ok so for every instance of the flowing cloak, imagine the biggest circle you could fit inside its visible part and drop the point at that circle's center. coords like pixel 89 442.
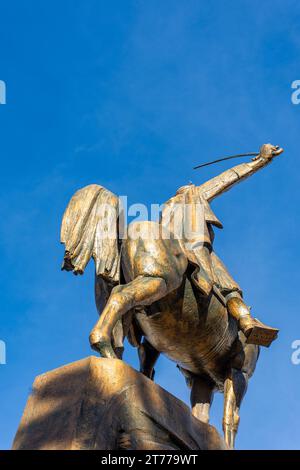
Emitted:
pixel 187 216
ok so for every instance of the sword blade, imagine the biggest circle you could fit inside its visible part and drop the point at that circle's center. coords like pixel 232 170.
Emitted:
pixel 251 154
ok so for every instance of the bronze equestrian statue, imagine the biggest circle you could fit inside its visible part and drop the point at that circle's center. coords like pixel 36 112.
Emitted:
pixel 170 293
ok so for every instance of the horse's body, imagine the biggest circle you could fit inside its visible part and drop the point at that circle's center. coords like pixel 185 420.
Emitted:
pixel 194 332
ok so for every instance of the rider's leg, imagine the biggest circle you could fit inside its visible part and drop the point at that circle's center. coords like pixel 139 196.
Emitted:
pixel 148 356
pixel 202 392
pixel 144 290
pixel 234 390
pixel 255 331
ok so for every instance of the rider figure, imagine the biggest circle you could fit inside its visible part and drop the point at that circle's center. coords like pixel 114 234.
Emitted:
pixel 210 274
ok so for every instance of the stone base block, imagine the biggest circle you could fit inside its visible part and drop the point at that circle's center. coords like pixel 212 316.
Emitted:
pixel 105 404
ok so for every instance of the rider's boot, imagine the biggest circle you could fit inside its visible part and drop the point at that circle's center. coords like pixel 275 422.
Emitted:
pixel 255 331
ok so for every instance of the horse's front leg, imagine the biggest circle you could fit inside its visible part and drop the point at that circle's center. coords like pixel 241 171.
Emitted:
pixel 234 391
pixel 144 290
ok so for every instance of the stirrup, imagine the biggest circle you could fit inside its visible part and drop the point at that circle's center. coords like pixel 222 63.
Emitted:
pixel 260 334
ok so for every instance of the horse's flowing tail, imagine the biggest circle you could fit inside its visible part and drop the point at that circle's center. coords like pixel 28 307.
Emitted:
pixel 90 230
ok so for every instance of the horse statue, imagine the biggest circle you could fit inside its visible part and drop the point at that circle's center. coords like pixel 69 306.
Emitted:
pixel 148 289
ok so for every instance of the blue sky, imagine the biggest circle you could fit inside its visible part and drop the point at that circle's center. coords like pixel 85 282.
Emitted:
pixel 131 95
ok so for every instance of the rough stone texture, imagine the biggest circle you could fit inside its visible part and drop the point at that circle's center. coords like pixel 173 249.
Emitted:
pixel 105 404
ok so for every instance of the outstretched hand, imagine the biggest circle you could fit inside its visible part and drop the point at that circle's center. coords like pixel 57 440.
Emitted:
pixel 268 152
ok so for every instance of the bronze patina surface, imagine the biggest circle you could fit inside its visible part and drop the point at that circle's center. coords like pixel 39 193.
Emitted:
pixel 169 294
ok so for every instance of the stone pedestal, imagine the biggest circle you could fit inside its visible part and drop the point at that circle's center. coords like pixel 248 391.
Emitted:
pixel 105 404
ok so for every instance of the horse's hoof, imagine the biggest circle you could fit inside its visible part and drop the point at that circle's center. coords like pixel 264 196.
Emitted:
pixel 229 436
pixel 105 350
pixel 148 373
pixel 102 345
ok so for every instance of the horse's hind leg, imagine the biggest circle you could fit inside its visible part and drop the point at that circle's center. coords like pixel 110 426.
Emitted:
pixel 144 290
pixel 202 393
pixel 234 390
pixel 148 356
